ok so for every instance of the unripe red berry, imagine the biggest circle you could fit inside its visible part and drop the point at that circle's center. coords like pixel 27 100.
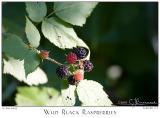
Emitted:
pixel 79 75
pixel 71 58
pixel 44 54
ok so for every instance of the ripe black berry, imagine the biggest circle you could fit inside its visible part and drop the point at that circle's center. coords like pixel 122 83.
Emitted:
pixel 81 52
pixel 88 66
pixel 62 71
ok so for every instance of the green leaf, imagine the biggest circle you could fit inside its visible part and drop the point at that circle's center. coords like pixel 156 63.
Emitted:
pixel 9 25
pixel 91 93
pixel 31 61
pixel 12 21
pixel 32 33
pixel 15 68
pixel 74 12
pixel 34 96
pixel 61 34
pixel 13 46
pixel 36 10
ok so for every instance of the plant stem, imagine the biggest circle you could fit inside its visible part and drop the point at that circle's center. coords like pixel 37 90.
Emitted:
pixel 54 61
pixel 50 14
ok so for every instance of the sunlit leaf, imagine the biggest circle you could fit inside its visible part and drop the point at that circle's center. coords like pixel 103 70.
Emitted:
pixel 68 96
pixel 38 76
pixel 74 12
pixel 56 100
pixel 91 93
pixel 34 96
pixel 32 33
pixel 36 10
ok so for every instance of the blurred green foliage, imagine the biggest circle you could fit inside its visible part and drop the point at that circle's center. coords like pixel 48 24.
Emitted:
pixel 122 34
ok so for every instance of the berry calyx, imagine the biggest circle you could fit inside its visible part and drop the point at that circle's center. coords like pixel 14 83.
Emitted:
pixel 44 54
pixel 81 52
pixel 71 58
pixel 62 71
pixel 88 66
pixel 79 75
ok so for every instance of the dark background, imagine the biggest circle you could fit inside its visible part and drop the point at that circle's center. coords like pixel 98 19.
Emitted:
pixel 120 35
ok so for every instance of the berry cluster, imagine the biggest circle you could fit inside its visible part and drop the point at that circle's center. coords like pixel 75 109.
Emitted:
pixel 77 65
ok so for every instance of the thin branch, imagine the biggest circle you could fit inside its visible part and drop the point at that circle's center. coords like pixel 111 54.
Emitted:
pixel 50 14
pixel 54 61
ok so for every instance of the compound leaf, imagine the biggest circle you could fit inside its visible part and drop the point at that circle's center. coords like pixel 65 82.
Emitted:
pixel 61 34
